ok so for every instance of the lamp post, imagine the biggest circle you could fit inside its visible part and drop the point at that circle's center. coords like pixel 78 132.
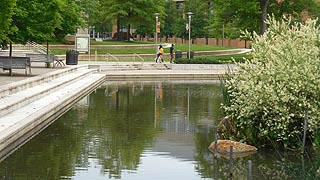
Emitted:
pixel 189 27
pixel 156 36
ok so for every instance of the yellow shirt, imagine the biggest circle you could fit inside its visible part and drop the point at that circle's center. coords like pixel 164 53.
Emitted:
pixel 161 50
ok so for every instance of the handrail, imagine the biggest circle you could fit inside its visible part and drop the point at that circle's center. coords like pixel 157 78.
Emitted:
pixel 142 60
pixel 37 47
pixel 113 58
pixel 108 54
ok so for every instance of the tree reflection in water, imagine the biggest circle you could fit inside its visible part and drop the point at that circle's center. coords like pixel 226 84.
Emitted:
pixel 147 130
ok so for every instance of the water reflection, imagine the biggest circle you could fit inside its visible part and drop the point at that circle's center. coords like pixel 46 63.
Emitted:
pixel 143 130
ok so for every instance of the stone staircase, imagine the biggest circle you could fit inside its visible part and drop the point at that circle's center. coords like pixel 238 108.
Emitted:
pixel 129 66
pixel 30 105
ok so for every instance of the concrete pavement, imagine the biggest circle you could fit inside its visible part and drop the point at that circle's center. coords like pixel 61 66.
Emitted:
pixel 173 70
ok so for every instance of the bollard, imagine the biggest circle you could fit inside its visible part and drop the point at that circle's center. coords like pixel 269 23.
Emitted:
pixel 231 160
pixel 249 170
pixel 95 55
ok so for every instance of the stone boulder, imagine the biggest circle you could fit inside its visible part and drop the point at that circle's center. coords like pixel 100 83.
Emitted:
pixel 239 149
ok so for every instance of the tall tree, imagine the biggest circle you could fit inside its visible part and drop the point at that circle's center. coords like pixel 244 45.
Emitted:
pixel 71 18
pixel 252 14
pixel 35 20
pixel 264 14
pixel 201 12
pixel 132 12
pixel 7 7
pixel 94 15
pixel 200 17
pixel 170 19
pixel 40 20
pixel 231 16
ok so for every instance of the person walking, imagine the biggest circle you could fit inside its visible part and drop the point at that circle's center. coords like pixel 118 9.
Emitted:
pixel 161 53
pixel 158 55
pixel 171 53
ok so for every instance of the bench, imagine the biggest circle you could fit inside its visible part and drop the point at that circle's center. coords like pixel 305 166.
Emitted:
pixel 9 63
pixel 47 58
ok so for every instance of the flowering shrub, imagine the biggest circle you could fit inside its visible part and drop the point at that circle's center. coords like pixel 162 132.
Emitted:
pixel 273 92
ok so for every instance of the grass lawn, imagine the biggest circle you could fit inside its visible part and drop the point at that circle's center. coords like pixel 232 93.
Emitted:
pixel 111 42
pixel 221 59
pixel 181 47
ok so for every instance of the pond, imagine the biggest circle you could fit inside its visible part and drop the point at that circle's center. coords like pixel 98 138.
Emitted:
pixel 143 131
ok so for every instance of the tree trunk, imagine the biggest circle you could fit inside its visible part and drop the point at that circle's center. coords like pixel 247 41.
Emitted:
pixel 10 50
pixel 128 32
pixel 264 9
pixel 118 28
pixel 47 47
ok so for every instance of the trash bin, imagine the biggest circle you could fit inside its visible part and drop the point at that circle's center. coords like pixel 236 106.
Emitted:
pixel 191 54
pixel 178 54
pixel 72 57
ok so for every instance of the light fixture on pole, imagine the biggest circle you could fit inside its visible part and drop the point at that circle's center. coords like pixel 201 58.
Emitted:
pixel 189 28
pixel 157 30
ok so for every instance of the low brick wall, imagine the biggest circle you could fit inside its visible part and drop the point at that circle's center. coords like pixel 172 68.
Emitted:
pixel 236 43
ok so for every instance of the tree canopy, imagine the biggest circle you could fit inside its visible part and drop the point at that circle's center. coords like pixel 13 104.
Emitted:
pixel 38 20
pixel 6 18
pixel 238 15
pixel 125 13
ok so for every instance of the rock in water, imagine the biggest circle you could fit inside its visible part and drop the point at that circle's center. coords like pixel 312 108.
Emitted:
pixel 239 149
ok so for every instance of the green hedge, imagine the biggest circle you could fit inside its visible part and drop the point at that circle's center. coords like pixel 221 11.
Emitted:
pixel 213 59
pixel 278 89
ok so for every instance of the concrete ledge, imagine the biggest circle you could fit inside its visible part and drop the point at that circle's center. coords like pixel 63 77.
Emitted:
pixel 221 67
pixel 19 99
pixel 14 87
pixel 165 75
pixel 20 126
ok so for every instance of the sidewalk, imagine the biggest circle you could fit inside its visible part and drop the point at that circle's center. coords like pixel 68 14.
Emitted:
pixel 176 71
pixel 19 74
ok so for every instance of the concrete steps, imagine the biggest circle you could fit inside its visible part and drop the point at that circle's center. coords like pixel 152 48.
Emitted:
pixel 30 82
pixel 155 66
pixel 28 107
pixel 119 67
pixel 133 66
pixel 23 97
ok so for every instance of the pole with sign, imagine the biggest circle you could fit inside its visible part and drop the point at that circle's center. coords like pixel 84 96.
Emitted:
pixel 156 35
pixel 158 27
pixel 188 27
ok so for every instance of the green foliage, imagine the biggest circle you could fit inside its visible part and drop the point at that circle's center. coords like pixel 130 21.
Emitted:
pixel 35 20
pixel 212 59
pixel 139 13
pixel 232 16
pixel 237 15
pixel 95 15
pixel 199 20
pixel 296 8
pixel 71 19
pixel 272 92
pixel 6 18
pixel 170 19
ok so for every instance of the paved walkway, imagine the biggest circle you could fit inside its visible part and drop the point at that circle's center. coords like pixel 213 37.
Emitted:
pixel 19 74
pixel 38 69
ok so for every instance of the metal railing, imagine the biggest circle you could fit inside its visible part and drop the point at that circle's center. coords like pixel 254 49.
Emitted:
pixel 36 47
pixel 110 55
pixel 137 55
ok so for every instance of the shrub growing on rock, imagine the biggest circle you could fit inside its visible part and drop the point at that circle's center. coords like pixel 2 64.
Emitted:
pixel 273 92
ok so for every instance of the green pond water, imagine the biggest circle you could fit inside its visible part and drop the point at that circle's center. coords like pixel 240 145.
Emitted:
pixel 145 131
